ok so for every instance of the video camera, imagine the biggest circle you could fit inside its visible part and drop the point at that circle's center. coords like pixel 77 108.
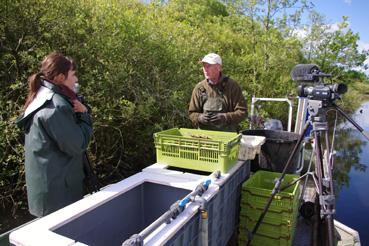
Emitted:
pixel 310 73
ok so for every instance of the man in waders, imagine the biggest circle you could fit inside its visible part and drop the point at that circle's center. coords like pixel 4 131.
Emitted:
pixel 217 102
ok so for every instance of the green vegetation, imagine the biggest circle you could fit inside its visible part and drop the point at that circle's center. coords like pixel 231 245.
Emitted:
pixel 138 64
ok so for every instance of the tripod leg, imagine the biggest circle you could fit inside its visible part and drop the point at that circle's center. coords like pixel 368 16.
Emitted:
pixel 330 192
pixel 330 228
pixel 325 187
pixel 359 128
pixel 318 163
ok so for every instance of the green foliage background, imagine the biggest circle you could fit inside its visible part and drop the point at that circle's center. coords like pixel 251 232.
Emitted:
pixel 138 64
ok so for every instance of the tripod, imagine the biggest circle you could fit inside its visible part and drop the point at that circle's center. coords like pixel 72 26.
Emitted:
pixel 323 165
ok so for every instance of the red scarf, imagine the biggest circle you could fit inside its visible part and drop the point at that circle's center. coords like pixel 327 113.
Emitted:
pixel 64 90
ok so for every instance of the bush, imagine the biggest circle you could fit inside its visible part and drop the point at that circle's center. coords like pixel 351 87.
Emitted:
pixel 138 64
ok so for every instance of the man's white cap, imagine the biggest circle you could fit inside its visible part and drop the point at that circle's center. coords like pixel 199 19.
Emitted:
pixel 212 58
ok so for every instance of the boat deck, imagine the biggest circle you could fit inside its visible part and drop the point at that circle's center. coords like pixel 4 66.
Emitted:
pixel 304 234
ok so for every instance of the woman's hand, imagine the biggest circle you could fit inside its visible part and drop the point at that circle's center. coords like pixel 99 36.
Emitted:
pixel 79 107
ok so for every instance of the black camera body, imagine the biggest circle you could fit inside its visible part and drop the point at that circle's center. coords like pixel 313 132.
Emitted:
pixel 322 92
pixel 310 73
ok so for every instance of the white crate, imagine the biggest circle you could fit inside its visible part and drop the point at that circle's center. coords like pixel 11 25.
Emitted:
pixel 250 146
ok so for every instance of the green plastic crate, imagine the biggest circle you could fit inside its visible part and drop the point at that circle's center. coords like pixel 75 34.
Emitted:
pixel 279 223
pixel 268 234
pixel 276 218
pixel 274 225
pixel 284 228
pixel 197 149
pixel 258 188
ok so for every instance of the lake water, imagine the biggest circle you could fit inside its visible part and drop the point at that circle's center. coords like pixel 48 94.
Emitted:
pixel 353 177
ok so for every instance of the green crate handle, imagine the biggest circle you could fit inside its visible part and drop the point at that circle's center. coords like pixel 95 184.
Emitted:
pixel 203 148
pixel 288 223
pixel 283 196
pixel 281 237
pixel 234 141
pixel 274 211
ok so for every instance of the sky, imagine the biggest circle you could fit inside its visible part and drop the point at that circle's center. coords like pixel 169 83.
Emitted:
pixel 358 16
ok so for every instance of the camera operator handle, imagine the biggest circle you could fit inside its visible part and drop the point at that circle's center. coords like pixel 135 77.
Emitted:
pixel 359 128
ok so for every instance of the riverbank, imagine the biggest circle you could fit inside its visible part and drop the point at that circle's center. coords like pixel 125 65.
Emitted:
pixel 357 94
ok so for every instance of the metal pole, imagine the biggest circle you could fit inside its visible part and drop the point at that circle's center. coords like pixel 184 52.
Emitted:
pixel 289 115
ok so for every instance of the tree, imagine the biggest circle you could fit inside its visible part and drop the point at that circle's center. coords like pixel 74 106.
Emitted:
pixel 333 47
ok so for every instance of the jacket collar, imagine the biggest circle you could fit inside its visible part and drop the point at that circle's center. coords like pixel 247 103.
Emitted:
pixel 222 80
pixel 49 85
pixel 43 95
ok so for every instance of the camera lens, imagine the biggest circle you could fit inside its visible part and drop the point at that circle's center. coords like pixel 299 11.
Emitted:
pixel 339 88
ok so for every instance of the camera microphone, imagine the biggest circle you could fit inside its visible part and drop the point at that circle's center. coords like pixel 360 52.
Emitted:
pixel 307 73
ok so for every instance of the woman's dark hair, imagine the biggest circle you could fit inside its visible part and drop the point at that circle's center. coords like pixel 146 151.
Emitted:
pixel 52 65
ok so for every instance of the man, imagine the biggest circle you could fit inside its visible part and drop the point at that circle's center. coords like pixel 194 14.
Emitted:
pixel 217 102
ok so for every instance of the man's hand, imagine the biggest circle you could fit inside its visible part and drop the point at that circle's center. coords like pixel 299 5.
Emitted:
pixel 204 119
pixel 218 119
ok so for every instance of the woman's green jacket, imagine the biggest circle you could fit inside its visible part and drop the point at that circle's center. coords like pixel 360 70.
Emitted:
pixel 55 140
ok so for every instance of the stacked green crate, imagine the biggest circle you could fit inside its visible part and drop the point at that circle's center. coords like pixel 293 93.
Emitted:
pixel 279 223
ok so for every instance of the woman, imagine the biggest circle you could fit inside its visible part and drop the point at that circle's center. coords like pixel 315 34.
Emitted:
pixel 57 132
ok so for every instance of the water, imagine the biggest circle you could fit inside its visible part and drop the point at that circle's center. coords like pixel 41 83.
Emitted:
pixel 352 175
